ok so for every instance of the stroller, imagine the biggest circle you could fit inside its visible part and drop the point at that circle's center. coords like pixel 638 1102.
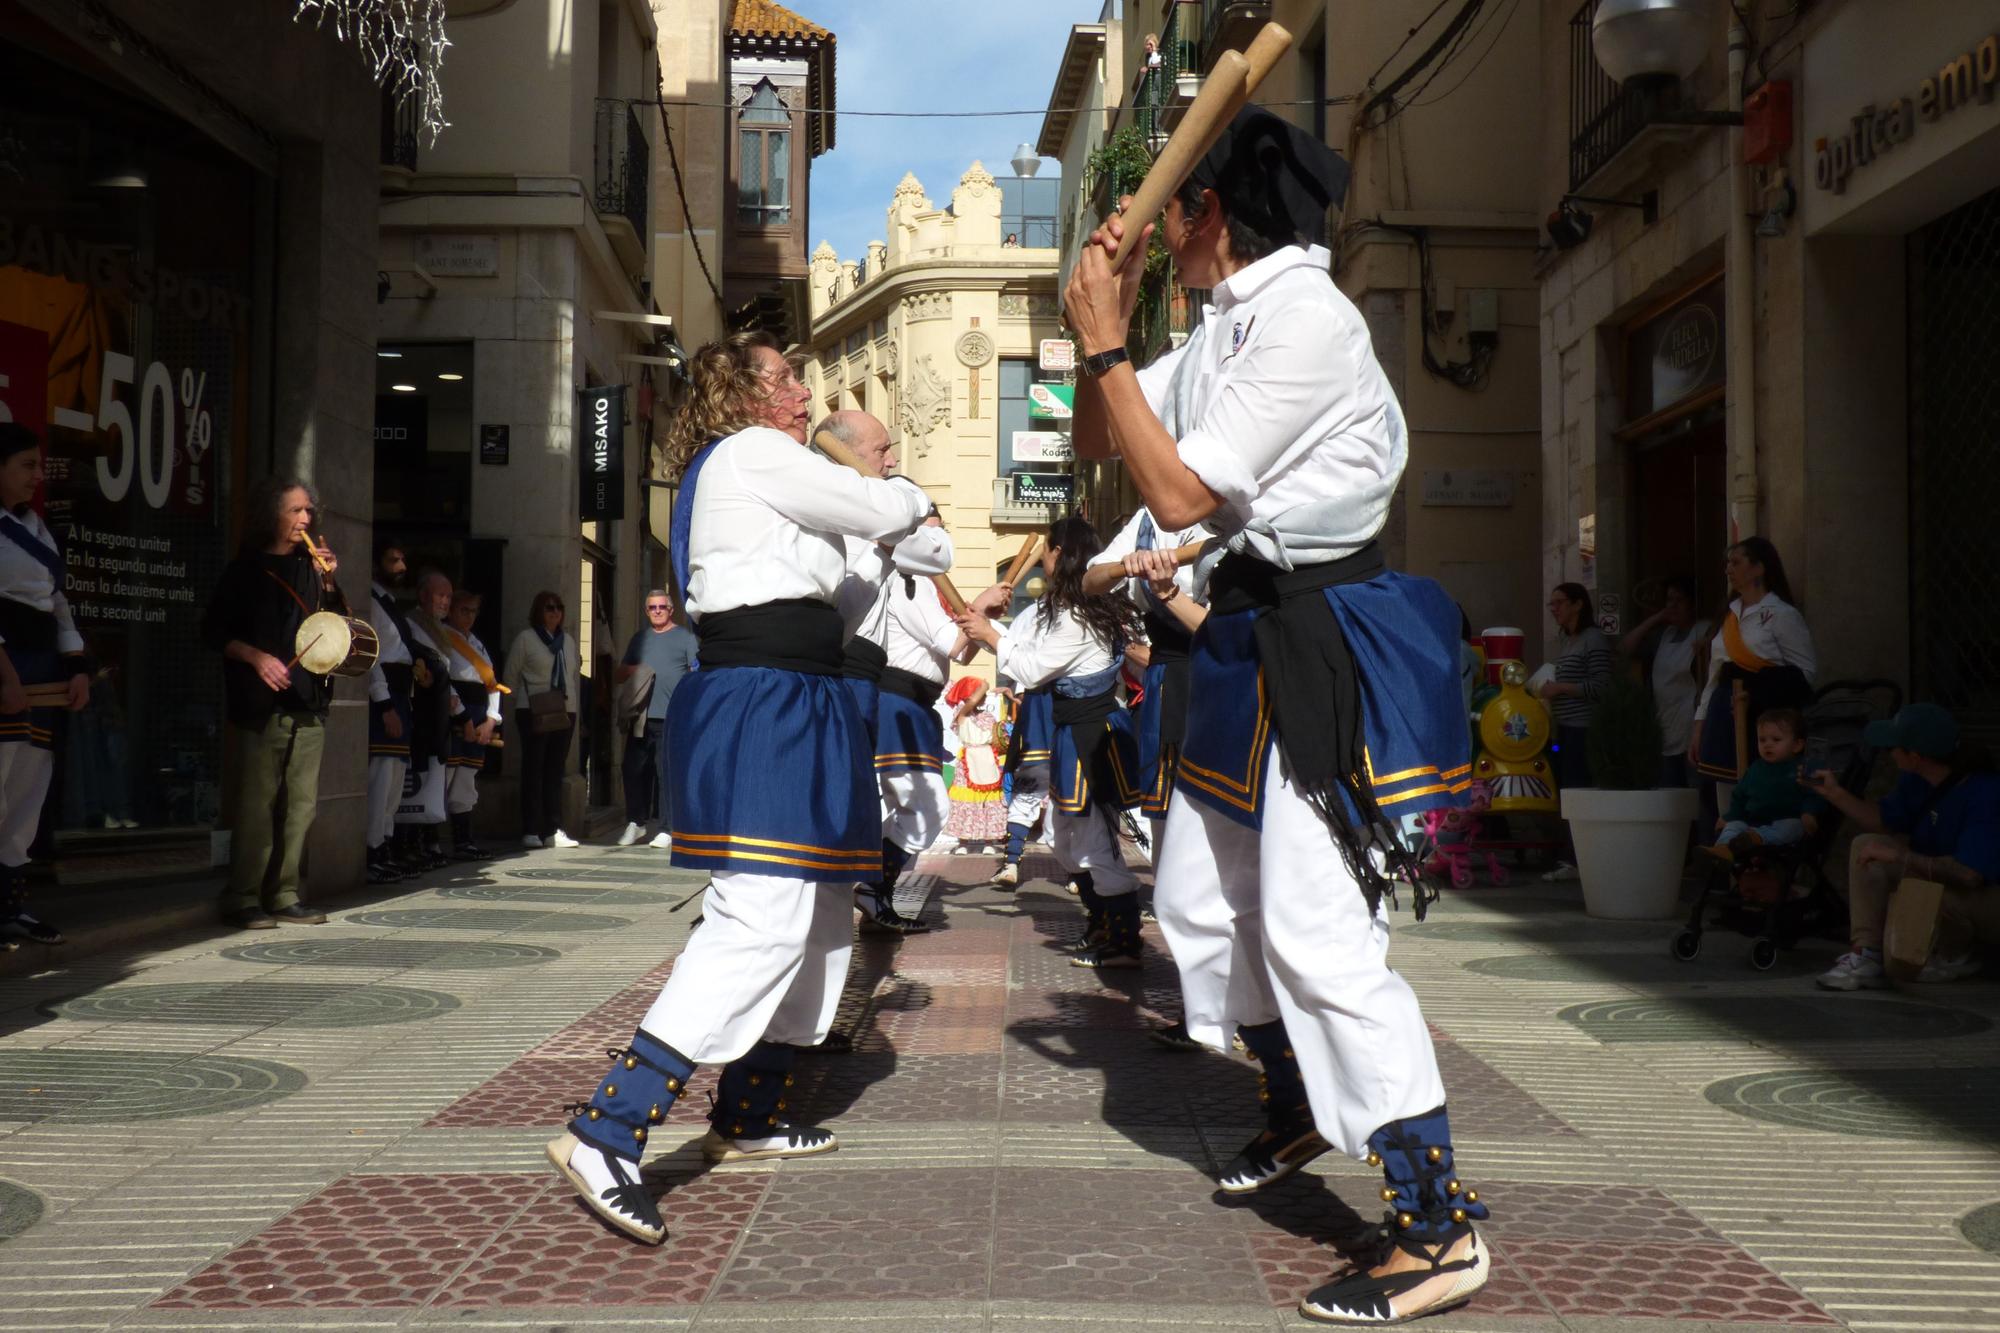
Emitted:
pixel 1778 895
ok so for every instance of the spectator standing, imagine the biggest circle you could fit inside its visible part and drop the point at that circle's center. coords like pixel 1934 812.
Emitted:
pixel 1941 822
pixel 1673 642
pixel 541 674
pixel 1582 670
pixel 666 649
pixel 1765 646
pixel 277 710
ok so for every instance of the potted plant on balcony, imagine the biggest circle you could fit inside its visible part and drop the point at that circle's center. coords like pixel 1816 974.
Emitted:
pixel 1631 833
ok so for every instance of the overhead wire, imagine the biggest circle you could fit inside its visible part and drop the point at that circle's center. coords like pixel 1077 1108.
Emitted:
pixel 1499 31
pixel 1342 99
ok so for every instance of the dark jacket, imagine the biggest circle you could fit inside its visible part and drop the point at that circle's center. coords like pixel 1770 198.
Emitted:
pixel 262 599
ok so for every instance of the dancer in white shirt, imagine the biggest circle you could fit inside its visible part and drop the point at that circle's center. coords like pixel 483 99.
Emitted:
pixel 479 692
pixel 768 762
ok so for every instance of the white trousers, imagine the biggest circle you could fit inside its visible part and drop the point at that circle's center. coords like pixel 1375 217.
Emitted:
pixel 1031 793
pixel 461 790
pixel 385 793
pixel 1271 925
pixel 767 963
pixel 24 785
pixel 914 807
pixel 1083 843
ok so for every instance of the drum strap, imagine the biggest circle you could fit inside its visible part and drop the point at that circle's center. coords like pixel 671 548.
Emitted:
pixel 290 591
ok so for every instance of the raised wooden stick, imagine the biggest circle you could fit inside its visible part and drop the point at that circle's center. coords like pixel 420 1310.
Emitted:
pixel 1021 559
pixel 841 454
pixel 1223 93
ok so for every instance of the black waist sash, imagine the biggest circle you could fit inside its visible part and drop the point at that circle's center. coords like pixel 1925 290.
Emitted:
pixel 1170 644
pixel 799 634
pixel 911 686
pixel 863 659
pixel 471 693
pixel 1313 687
pixel 27 628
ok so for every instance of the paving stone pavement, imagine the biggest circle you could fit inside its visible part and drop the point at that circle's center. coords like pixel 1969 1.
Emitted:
pixel 341 1127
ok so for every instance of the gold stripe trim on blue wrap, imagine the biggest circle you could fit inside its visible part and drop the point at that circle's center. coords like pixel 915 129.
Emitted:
pixel 1244 795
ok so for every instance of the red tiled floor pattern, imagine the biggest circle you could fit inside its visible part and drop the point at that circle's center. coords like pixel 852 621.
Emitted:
pixel 979 1021
pixel 376 1241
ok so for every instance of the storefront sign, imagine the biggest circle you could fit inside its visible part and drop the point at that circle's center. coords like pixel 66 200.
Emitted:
pixel 600 438
pixel 494 443
pixel 1968 78
pixel 460 256
pixel 1676 355
pixel 1469 487
pixel 1042 446
pixel 1058 354
pixel 1052 402
pixel 1044 488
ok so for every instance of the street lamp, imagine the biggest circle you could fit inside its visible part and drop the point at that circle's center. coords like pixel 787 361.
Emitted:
pixel 1652 40
pixel 1026 161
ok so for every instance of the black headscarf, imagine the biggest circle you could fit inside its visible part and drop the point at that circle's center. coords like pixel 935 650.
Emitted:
pixel 1276 177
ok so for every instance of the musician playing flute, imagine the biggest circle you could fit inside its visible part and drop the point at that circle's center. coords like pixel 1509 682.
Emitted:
pixel 39 646
pixel 276 707
pixel 769 778
pixel 1323 699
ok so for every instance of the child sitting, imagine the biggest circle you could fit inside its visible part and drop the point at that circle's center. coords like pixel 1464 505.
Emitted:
pixel 1770 807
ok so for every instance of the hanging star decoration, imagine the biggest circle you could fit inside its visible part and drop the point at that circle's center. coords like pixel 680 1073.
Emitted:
pixel 403 39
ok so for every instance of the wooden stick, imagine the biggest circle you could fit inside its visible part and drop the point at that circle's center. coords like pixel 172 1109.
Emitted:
pixel 1021 559
pixel 1223 93
pixel 1187 555
pixel 838 452
pixel 49 694
pixel 303 651
pixel 949 591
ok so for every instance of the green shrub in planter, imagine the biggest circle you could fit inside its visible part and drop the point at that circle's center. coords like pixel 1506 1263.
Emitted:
pixel 1624 737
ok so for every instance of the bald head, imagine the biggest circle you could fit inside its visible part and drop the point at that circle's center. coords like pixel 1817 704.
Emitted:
pixel 865 437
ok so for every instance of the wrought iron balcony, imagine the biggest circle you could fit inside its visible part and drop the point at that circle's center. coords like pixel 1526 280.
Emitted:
pixel 1604 117
pixel 1231 24
pixel 400 123
pixel 623 166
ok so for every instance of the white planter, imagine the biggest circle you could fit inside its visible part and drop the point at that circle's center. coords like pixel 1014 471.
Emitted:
pixel 1630 846
pixel 1187 85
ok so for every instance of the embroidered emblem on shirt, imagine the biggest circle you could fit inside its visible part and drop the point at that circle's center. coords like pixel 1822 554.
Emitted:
pixel 1236 339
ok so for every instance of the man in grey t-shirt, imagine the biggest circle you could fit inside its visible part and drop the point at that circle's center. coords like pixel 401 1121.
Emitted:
pixel 668 650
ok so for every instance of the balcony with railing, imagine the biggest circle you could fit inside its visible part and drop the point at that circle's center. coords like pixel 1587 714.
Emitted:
pixel 1230 24
pixel 621 174
pixel 1163 91
pixel 1604 117
pixel 1009 510
pixel 400 122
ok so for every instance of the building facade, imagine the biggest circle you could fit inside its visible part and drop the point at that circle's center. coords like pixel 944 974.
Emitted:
pixel 938 333
pixel 1790 333
pixel 186 266
pixel 517 356
pixel 1435 245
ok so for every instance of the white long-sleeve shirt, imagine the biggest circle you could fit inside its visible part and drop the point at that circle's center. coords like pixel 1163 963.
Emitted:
pixel 769 518
pixel 463 669
pixel 1773 629
pixel 920 632
pixel 425 639
pixel 1280 404
pixel 864 591
pixel 28 581
pixel 1032 655
pixel 1127 541
pixel 390 648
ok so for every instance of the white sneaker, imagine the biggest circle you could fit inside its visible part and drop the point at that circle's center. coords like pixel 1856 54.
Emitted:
pixel 1853 971
pixel 561 839
pixel 1562 874
pixel 661 839
pixel 1008 875
pixel 1941 968
pixel 632 834
pixel 531 841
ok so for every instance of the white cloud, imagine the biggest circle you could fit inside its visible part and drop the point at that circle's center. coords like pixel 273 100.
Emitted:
pixel 930 55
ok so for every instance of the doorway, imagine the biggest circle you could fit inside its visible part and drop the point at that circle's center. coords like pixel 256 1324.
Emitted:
pixel 1680 508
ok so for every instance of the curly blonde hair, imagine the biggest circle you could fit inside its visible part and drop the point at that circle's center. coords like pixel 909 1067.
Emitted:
pixel 723 391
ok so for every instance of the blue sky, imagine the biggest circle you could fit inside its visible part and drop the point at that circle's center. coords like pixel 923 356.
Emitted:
pixel 912 55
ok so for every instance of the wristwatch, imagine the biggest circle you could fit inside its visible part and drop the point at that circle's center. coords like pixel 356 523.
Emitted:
pixel 1100 362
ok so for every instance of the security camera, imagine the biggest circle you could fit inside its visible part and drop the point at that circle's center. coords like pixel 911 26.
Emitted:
pixel 1569 226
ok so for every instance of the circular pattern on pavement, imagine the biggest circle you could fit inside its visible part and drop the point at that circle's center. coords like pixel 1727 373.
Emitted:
pixel 577 876
pixel 20 1208
pixel 377 952
pixel 102 1087
pixel 1543 928
pixel 1868 1103
pixel 505 893
pixel 258 1004
pixel 483 918
pixel 1650 967
pixel 1770 1019
pixel 1981 1226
